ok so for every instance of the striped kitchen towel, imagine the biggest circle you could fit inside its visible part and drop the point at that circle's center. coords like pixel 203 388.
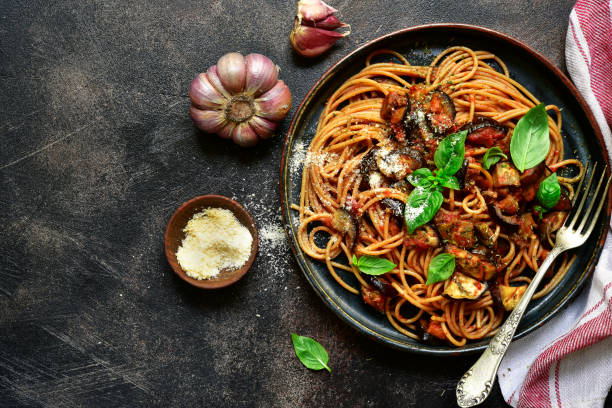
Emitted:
pixel 568 362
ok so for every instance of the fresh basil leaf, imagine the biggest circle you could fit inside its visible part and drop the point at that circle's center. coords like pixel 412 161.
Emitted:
pixel 373 265
pixel 549 191
pixel 530 140
pixel 421 177
pixel 450 153
pixel 441 267
pixel 492 156
pixel 310 352
pixel 355 260
pixel 421 206
pixel 449 182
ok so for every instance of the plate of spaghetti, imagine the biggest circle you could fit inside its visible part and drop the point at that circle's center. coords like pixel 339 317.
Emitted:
pixel 423 179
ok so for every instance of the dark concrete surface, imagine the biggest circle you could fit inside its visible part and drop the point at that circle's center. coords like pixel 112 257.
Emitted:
pixel 98 151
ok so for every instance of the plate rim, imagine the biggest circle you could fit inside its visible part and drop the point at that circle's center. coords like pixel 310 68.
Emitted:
pixel 411 346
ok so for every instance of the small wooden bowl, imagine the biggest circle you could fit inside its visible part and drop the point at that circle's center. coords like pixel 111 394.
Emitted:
pixel 174 237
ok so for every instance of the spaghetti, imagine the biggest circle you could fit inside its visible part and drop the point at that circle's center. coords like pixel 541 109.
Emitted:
pixel 379 126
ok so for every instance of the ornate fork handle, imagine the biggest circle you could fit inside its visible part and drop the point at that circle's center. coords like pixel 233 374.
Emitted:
pixel 476 383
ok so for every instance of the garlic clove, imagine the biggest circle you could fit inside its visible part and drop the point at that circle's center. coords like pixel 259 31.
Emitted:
pixel 231 69
pixel 314 10
pixel 329 23
pixel 261 74
pixel 244 135
pixel 226 131
pixel 274 104
pixel 311 41
pixel 213 77
pixel 263 127
pixel 204 95
pixel 210 121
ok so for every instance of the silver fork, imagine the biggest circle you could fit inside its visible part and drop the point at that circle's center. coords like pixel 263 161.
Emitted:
pixel 476 383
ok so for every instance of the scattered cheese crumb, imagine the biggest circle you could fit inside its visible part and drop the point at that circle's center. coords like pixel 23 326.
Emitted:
pixel 214 240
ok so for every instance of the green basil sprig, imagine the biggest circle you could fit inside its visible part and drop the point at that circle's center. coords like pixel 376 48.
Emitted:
pixel 492 156
pixel 441 268
pixel 530 140
pixel 450 153
pixel 373 265
pixel 426 199
pixel 549 192
pixel 310 352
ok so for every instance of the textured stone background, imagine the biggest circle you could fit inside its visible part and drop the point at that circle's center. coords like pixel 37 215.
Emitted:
pixel 98 151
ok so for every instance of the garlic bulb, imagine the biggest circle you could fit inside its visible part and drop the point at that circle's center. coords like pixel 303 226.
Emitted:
pixel 313 29
pixel 240 98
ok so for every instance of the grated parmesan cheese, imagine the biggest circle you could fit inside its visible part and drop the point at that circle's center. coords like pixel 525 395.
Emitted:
pixel 214 240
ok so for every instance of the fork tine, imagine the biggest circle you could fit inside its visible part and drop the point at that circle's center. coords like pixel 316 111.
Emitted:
pixel 580 183
pixel 585 193
pixel 599 207
pixel 585 217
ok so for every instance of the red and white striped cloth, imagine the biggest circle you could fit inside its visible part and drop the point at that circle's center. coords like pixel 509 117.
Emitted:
pixel 568 362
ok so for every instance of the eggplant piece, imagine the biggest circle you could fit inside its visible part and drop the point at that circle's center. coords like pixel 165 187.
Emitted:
pixel 345 223
pixel 505 174
pixel 440 111
pixel 380 285
pixel 374 298
pixel 525 226
pixel 533 175
pixel 430 334
pixel 416 125
pixel 485 131
pixel 398 163
pixel 464 287
pixel 396 206
pixel 366 167
pixel 461 173
pixel 394 106
pixel 508 205
pixel 403 186
pixel 472 264
pixel 455 230
pixel 510 221
pixel 424 237
pixel 511 295
pixel 485 234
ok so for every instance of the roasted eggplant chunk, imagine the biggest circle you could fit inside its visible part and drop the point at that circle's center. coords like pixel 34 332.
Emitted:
pixel 423 237
pixel 396 206
pixel 485 131
pixel 485 234
pixel 440 111
pixel 475 265
pixel 380 285
pixel 505 174
pixel 374 298
pixel 394 106
pixel 398 163
pixel 463 287
pixel 510 295
pixel 455 230
pixel 345 223
pixel 509 221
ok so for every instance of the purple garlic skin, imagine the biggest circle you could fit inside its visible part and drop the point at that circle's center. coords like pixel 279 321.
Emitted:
pixel 313 29
pixel 240 98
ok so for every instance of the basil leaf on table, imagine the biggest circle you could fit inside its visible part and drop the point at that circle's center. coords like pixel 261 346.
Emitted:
pixel 373 265
pixel 492 156
pixel 421 206
pixel 310 352
pixel 450 153
pixel 420 177
pixel 549 192
pixel 441 268
pixel 530 140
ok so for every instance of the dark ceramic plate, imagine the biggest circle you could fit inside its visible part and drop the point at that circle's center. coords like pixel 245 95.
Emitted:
pixel 420 44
